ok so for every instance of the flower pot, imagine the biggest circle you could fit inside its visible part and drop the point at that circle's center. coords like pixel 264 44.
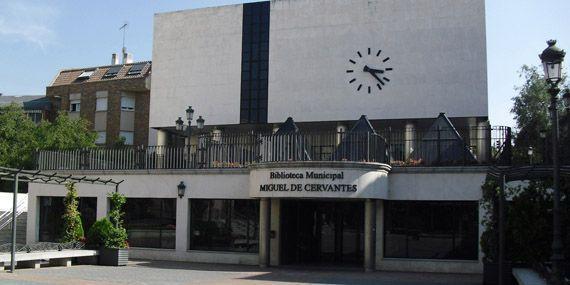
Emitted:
pixel 491 273
pixel 113 256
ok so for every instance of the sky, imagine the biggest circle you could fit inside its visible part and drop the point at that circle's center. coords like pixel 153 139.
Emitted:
pixel 40 37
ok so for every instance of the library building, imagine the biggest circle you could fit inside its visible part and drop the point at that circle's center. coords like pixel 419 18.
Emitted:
pixel 345 133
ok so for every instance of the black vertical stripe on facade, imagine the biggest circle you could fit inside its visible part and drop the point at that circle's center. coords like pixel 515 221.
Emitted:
pixel 255 62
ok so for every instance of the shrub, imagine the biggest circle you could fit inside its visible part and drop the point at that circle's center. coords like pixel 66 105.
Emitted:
pixel 72 226
pixel 99 233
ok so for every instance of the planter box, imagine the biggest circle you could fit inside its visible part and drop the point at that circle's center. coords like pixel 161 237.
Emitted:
pixel 491 274
pixel 113 257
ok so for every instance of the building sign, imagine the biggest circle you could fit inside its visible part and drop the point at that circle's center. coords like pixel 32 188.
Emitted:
pixel 328 184
pixel 318 182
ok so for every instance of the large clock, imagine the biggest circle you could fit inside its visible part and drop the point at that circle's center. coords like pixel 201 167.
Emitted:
pixel 368 71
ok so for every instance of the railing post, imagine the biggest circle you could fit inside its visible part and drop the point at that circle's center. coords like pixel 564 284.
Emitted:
pixel 438 145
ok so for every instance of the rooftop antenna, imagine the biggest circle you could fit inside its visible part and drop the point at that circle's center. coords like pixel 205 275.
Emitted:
pixel 124 28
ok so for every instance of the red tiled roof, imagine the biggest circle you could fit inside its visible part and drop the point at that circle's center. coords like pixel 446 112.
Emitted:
pixel 69 76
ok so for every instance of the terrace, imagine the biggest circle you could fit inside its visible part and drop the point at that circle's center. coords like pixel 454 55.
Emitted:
pixel 440 145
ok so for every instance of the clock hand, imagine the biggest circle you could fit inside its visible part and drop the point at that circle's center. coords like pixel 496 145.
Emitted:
pixel 372 70
pixel 377 78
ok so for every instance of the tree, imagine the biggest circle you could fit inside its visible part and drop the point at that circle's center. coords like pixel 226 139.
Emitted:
pixel 531 113
pixel 65 133
pixel 20 137
pixel 72 226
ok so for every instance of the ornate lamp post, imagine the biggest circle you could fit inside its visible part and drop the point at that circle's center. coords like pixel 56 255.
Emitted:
pixel 552 58
pixel 180 127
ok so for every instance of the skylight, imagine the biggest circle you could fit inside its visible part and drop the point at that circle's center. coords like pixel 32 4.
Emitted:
pixel 113 71
pixel 85 74
pixel 136 69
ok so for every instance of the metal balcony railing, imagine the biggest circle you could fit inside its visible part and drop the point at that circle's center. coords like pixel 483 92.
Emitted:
pixel 481 145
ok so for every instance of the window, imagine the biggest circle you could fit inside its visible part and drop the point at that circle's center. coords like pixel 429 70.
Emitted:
pixel 431 230
pixel 127 103
pixel 101 104
pixel 136 69
pixel 255 63
pixel 224 225
pixel 74 105
pixel 51 211
pixel 151 223
pixel 129 136
pixel 101 138
pixel 113 71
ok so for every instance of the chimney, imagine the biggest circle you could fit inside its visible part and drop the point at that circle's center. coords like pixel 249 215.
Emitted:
pixel 114 59
pixel 127 57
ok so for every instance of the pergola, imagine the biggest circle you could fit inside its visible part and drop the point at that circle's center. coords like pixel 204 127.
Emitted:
pixel 516 173
pixel 37 176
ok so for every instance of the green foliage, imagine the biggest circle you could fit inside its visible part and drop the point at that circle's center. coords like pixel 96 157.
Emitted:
pixel 116 214
pixel 20 137
pixel 65 133
pixel 530 109
pixel 528 222
pixel 117 236
pixel 99 233
pixel 72 226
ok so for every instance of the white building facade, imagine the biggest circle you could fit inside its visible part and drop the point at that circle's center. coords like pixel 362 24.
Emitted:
pixel 284 171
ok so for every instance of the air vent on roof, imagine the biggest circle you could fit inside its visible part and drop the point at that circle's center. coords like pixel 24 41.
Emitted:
pixel 112 72
pixel 86 74
pixel 136 69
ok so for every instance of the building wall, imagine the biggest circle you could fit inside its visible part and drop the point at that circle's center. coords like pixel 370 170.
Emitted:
pixel 234 184
pixel 136 86
pixel 197 61
pixel 437 50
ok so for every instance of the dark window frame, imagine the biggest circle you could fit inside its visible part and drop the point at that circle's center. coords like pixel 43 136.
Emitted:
pixel 251 242
pixel 418 219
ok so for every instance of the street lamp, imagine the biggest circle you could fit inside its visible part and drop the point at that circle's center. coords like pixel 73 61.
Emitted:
pixel 180 127
pixel 530 153
pixel 181 189
pixel 552 58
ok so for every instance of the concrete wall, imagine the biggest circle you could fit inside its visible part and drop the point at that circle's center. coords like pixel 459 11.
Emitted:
pixel 197 61
pixel 437 50
pixel 451 184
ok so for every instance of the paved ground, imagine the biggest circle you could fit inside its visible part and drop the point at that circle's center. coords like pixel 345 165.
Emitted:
pixel 162 272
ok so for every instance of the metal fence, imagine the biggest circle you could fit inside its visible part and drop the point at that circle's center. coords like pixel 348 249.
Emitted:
pixel 400 148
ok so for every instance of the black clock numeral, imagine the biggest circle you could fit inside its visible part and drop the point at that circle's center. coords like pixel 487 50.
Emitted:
pixel 386 78
pixel 359 87
pixel 386 59
pixel 388 69
pixel 352 80
pixel 379 51
pixel 359 54
pixel 350 71
pixel 379 86
pixel 368 51
pixel 368 89
pixel 352 61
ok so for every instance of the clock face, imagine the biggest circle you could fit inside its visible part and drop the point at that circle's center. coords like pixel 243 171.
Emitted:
pixel 369 71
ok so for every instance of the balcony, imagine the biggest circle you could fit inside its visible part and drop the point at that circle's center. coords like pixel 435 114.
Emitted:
pixel 417 148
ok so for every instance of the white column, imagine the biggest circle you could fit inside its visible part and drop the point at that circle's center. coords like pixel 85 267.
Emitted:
pixel 264 227
pixel 369 234
pixel 484 141
pixel 182 218
pixel 275 243
pixel 409 137
pixel 161 140
pixel 379 233
pixel 341 133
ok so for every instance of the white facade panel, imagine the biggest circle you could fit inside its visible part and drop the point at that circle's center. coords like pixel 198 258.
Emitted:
pixel 436 48
pixel 197 61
